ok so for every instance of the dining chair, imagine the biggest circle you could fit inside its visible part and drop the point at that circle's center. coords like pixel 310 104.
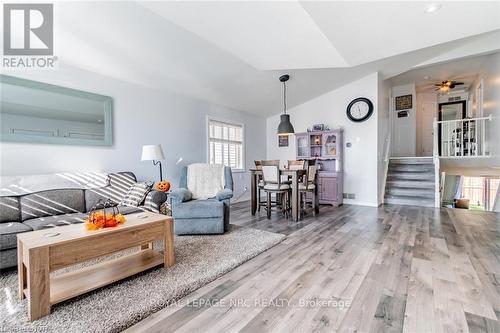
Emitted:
pixel 296 165
pixel 308 185
pixel 284 179
pixel 260 185
pixel 273 184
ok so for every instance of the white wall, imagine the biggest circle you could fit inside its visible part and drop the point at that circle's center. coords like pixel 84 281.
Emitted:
pixel 360 163
pixel 384 100
pixel 404 130
pixel 490 73
pixel 423 122
pixel 141 116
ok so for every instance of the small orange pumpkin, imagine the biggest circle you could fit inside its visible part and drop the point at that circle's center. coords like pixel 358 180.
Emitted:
pixel 163 186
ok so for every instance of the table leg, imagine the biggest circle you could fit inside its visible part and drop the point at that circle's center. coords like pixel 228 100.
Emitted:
pixel 253 188
pixel 169 255
pixel 37 270
pixel 316 196
pixel 295 197
pixel 21 269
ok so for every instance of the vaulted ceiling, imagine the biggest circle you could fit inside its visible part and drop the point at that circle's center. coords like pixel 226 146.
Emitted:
pixel 232 53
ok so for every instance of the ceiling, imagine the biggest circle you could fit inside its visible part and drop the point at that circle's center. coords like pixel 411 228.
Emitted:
pixel 232 53
pixel 464 70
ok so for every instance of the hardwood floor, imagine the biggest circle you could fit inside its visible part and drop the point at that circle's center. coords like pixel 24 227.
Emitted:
pixel 355 269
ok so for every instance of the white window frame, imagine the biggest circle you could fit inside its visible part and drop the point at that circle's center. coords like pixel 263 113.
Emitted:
pixel 243 144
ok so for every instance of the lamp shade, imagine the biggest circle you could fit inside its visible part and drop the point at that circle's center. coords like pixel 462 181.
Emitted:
pixel 285 127
pixel 152 152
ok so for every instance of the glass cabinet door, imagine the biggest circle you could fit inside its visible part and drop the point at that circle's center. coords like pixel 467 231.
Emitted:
pixel 302 146
pixel 330 145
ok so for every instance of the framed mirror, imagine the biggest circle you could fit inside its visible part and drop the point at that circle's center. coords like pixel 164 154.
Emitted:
pixel 37 112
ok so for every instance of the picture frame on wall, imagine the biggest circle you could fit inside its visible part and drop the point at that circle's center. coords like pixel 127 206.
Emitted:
pixel 283 141
pixel 318 127
pixel 404 102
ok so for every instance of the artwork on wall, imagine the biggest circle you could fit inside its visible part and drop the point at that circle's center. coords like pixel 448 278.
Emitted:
pixel 404 102
pixel 318 127
pixel 282 140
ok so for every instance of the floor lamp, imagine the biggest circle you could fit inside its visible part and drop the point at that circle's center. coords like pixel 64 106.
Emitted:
pixel 153 153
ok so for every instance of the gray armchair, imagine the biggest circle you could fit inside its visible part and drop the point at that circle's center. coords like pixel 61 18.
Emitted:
pixel 201 216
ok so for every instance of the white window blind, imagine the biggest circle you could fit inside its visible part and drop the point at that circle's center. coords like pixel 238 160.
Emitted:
pixel 225 144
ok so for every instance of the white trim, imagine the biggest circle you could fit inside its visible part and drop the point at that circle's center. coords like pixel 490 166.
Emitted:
pixel 410 158
pixel 209 118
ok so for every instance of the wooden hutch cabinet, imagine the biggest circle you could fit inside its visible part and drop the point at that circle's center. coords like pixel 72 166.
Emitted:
pixel 325 149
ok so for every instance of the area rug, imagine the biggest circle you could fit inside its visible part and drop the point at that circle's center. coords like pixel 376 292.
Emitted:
pixel 199 260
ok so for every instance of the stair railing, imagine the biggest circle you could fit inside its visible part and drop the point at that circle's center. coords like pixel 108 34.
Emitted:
pixel 435 160
pixel 460 138
pixel 387 150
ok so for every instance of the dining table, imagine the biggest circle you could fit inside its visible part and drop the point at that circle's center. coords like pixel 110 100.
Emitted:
pixel 294 176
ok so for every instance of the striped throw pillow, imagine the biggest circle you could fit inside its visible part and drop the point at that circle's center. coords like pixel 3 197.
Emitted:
pixel 136 194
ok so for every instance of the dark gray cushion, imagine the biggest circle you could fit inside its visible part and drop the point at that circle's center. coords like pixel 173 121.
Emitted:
pixel 92 197
pixel 52 202
pixel 8 234
pixel 10 209
pixel 154 200
pixel 58 220
pixel 198 209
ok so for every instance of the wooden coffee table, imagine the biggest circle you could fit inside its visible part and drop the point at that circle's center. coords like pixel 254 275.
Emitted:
pixel 43 251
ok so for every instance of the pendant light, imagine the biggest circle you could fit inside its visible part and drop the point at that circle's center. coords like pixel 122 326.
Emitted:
pixel 285 127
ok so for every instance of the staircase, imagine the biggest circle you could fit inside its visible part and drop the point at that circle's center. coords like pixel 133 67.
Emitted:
pixel 410 181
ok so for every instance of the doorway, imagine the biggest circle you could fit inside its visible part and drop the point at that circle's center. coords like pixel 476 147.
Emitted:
pixel 448 132
pixel 427 112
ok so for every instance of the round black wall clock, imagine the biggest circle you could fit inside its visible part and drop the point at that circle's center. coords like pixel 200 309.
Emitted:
pixel 360 109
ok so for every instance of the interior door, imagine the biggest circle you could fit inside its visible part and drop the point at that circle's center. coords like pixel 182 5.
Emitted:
pixel 404 133
pixel 427 134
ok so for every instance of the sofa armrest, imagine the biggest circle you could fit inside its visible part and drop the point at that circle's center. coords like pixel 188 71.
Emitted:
pixel 180 195
pixel 154 200
pixel 224 194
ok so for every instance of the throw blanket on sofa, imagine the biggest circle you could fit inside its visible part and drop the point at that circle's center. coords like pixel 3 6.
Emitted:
pixel 205 180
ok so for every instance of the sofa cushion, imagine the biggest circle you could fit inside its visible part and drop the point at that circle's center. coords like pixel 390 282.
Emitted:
pixel 10 209
pixel 122 181
pixel 92 197
pixel 198 209
pixel 53 221
pixel 136 194
pixel 52 202
pixel 8 234
pixel 130 210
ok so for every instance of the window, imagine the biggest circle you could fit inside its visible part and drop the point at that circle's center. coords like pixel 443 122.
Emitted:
pixel 481 191
pixel 225 144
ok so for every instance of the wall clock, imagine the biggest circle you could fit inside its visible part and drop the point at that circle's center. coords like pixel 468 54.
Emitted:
pixel 360 109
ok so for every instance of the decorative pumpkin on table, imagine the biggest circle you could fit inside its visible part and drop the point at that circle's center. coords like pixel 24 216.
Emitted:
pixel 104 215
pixel 163 186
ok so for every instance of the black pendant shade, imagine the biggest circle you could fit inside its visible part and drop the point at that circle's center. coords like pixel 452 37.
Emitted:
pixel 285 127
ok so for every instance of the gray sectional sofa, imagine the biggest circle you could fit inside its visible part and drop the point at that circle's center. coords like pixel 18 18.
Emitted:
pixel 43 204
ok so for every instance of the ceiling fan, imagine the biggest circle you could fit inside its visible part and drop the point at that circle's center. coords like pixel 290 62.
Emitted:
pixel 447 85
